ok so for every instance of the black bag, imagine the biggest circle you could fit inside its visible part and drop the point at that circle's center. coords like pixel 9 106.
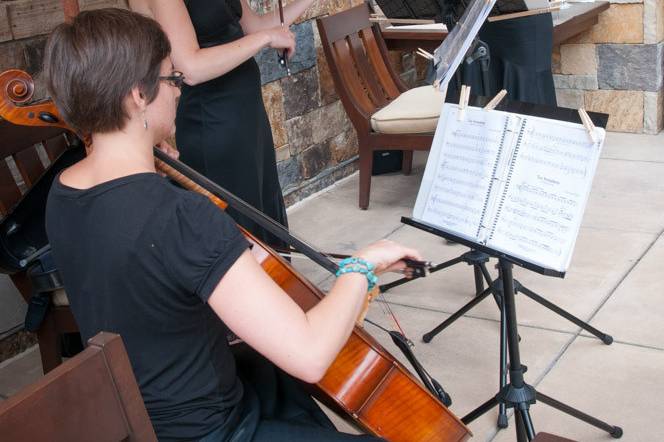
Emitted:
pixel 386 161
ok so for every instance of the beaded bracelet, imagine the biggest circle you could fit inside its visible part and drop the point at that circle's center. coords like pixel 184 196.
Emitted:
pixel 358 265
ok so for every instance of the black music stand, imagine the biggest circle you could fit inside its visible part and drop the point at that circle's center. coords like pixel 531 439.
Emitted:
pixel 479 257
pixel 497 288
pixel 515 393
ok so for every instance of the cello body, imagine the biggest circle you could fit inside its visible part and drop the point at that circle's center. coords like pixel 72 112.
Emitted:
pixel 375 390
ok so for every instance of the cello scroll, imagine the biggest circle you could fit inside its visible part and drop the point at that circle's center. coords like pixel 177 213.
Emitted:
pixel 16 89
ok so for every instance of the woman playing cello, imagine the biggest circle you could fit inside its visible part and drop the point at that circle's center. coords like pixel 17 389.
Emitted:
pixel 167 270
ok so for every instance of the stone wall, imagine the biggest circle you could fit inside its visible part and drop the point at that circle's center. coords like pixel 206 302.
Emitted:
pixel 314 140
pixel 617 67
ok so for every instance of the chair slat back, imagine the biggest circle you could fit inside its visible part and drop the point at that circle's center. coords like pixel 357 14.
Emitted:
pixel 368 76
pixel 92 396
pixel 358 62
pixel 25 154
pixel 54 147
pixel 10 192
pixel 352 88
pixel 29 165
pixel 377 55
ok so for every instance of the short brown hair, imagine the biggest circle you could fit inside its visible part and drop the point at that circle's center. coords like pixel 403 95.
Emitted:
pixel 92 64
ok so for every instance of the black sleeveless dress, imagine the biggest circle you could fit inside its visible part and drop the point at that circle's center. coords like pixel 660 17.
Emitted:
pixel 222 128
pixel 520 60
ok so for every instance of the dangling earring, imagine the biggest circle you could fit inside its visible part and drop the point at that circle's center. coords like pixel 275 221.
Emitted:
pixel 145 121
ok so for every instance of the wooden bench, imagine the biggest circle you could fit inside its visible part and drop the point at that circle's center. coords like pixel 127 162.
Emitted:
pixel 90 397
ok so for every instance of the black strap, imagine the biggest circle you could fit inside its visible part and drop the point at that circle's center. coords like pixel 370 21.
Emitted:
pixel 45 279
pixel 429 382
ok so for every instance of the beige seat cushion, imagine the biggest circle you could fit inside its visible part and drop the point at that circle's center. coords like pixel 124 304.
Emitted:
pixel 415 111
pixel 59 298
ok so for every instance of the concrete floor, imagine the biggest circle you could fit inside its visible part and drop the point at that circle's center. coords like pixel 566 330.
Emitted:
pixel 611 283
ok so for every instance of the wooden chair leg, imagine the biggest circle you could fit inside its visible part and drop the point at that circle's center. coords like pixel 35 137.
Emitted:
pixel 407 162
pixel 366 162
pixel 49 344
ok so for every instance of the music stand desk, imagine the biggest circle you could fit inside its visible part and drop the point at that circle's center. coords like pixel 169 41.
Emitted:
pixel 579 17
pixel 410 39
pixel 567 23
pixel 475 246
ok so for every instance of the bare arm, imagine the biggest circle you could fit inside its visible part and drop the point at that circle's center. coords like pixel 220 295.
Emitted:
pixel 252 22
pixel 203 64
pixel 302 344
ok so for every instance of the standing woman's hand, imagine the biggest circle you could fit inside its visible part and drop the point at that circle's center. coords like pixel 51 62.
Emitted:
pixel 281 37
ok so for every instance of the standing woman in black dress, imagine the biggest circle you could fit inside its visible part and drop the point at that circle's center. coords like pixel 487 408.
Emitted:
pixel 222 127
pixel 520 63
pixel 521 51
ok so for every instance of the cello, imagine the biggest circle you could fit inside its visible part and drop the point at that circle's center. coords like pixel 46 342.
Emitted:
pixel 364 381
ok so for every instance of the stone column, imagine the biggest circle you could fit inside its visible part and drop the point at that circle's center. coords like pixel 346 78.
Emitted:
pixel 617 67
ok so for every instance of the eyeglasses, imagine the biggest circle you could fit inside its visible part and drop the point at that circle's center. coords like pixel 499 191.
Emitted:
pixel 175 79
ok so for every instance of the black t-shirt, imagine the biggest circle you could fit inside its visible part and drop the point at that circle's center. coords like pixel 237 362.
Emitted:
pixel 140 257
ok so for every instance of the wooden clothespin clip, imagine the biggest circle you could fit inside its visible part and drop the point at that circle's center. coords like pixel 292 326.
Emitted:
pixel 588 124
pixel 463 101
pixel 495 100
pixel 422 53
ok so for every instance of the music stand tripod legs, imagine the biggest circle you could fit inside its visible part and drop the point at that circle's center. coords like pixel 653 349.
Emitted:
pixel 497 289
pixel 517 394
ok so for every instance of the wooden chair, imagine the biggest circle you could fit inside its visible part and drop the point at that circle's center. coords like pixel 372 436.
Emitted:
pixel 367 85
pixel 91 397
pixel 26 154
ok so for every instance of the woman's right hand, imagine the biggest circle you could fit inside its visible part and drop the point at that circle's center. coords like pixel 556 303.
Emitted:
pixel 387 256
pixel 281 37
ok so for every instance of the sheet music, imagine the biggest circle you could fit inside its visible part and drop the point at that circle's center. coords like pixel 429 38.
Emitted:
pixel 540 214
pixel 515 183
pixel 459 172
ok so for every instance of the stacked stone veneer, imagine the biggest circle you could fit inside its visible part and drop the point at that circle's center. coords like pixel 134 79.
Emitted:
pixel 314 140
pixel 617 67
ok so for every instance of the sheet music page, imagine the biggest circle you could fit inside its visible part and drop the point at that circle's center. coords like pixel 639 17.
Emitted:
pixel 459 170
pixel 539 216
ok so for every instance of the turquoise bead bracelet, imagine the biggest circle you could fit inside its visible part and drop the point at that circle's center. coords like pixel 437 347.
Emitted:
pixel 358 265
